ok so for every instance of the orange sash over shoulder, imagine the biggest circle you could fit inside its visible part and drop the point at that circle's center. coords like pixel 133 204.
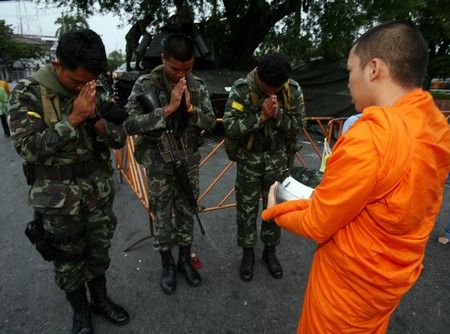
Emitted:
pixel 371 215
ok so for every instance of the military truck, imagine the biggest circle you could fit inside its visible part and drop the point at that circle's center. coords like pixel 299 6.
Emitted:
pixel 218 80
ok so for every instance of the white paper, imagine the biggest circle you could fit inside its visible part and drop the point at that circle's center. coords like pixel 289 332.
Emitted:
pixel 290 189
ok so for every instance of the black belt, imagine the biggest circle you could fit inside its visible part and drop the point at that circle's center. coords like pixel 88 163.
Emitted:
pixel 65 172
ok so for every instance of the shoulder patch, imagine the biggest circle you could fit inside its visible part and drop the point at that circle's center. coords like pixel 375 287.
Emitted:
pixel 238 106
pixel 33 114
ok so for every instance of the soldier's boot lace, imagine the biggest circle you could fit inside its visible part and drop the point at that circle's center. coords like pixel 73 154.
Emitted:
pixel 101 304
pixel 247 263
pixel 168 276
pixel 272 262
pixel 185 266
pixel 82 321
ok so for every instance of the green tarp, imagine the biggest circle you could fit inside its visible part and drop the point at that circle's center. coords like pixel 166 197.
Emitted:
pixel 325 89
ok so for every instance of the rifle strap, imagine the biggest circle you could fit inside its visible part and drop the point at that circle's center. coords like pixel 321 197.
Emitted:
pixel 51 106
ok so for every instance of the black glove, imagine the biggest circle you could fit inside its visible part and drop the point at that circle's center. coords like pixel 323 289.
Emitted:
pixel 112 113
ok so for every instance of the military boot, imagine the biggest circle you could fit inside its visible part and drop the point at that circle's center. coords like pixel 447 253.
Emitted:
pixel 82 321
pixel 168 276
pixel 247 263
pixel 272 262
pixel 101 304
pixel 185 266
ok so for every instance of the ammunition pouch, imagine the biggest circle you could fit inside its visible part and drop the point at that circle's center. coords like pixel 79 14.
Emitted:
pixel 59 173
pixel 41 239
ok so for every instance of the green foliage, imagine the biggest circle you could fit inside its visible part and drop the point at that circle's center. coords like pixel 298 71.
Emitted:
pixel 439 67
pixel 115 59
pixel 12 50
pixel 301 29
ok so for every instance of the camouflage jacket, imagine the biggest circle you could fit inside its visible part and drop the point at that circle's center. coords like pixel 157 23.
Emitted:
pixel 242 116
pixel 150 126
pixel 60 144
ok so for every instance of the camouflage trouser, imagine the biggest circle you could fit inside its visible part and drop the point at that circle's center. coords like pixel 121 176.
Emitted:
pixel 165 193
pixel 256 172
pixel 95 230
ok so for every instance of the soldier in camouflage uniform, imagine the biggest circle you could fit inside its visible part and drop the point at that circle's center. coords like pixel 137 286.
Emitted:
pixel 132 38
pixel 263 115
pixel 67 162
pixel 182 106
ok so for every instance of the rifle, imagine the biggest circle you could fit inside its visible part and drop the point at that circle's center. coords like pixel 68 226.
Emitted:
pixel 170 153
pixel 169 144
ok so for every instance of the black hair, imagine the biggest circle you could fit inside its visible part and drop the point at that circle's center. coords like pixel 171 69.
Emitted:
pixel 82 48
pixel 274 69
pixel 178 46
pixel 401 46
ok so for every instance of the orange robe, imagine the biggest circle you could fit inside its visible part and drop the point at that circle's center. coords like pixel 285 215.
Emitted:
pixel 371 215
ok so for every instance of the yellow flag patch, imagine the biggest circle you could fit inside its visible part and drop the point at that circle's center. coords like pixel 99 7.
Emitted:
pixel 237 106
pixel 33 114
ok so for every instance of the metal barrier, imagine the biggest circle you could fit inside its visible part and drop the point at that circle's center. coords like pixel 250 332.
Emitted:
pixel 136 176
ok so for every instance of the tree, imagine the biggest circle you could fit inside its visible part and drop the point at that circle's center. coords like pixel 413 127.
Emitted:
pixel 115 59
pixel 299 28
pixel 68 22
pixel 431 17
pixel 12 50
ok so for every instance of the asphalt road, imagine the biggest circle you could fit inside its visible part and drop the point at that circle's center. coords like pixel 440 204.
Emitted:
pixel 31 302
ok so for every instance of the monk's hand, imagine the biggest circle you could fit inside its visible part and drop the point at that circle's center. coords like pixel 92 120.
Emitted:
pixel 271 198
pixel 84 105
pixel 175 97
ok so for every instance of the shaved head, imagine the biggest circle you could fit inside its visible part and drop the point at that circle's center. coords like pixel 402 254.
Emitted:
pixel 401 46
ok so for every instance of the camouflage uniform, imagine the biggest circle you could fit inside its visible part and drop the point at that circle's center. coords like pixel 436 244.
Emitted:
pixel 164 189
pixel 72 189
pixel 263 152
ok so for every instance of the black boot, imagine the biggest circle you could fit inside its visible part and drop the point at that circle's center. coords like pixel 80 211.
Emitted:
pixel 168 276
pixel 273 264
pixel 185 266
pixel 82 321
pixel 247 263
pixel 101 304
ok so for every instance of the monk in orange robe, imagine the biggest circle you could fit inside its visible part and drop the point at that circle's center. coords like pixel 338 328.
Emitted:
pixel 381 192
